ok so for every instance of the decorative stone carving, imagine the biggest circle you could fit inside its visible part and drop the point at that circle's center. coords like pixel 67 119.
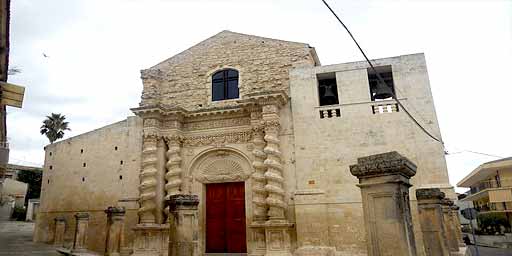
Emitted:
pixel 384 183
pixel 148 180
pixel 173 165
pixel 220 123
pixel 383 164
pixel 184 227
pixel 218 139
pixel 274 173
pixel 221 166
pixel 151 126
pixel 259 194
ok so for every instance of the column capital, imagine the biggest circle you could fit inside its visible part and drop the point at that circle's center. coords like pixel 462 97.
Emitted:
pixel 60 219
pixel 119 210
pixel 182 200
pixel 429 193
pixel 82 216
pixel 382 165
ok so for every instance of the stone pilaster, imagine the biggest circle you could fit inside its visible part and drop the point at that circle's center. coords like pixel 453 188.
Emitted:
pixel 160 217
pixel 80 239
pixel 115 231
pixel 259 194
pixel 183 223
pixel 148 181
pixel 60 229
pixel 173 165
pixel 451 235
pixel 430 215
pixel 384 183
pixel 274 173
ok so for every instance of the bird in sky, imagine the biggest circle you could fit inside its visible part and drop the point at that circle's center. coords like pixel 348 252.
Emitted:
pixel 46 56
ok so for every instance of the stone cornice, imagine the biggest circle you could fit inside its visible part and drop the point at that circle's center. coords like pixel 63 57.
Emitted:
pixel 429 193
pixel 383 164
pixel 279 98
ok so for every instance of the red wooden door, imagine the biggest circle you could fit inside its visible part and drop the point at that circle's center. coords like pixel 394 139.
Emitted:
pixel 225 218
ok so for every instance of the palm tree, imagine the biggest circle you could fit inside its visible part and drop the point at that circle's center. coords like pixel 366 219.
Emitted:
pixel 54 126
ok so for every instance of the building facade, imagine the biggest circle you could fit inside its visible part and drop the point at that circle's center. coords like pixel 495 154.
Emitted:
pixel 263 135
pixel 490 188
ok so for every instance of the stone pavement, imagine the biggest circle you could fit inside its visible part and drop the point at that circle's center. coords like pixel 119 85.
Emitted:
pixel 16 239
pixel 488 251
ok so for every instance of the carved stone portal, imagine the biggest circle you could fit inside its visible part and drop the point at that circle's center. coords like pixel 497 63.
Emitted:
pixel 221 166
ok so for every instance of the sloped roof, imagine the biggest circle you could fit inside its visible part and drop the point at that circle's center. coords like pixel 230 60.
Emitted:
pixel 227 32
pixel 485 170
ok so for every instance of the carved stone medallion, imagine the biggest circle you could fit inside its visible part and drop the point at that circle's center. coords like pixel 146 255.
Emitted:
pixel 221 166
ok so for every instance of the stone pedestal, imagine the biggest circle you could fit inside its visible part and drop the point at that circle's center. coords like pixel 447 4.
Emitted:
pixel 184 226
pixel 431 220
pixel 384 183
pixel 451 235
pixel 115 230
pixel 60 229
pixel 277 238
pixel 258 238
pixel 151 239
pixel 456 222
pixel 80 239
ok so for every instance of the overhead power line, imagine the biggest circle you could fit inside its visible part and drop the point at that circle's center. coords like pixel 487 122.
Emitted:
pixel 381 80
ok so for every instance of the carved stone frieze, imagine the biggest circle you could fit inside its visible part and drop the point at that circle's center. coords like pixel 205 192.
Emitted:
pixel 218 139
pixel 173 165
pixel 219 123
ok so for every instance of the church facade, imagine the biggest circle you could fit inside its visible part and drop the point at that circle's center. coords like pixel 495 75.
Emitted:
pixel 263 134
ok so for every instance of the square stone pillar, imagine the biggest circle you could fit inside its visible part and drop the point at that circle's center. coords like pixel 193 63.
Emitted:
pixel 80 239
pixel 60 229
pixel 384 183
pixel 458 231
pixel 451 235
pixel 115 230
pixel 430 214
pixel 183 224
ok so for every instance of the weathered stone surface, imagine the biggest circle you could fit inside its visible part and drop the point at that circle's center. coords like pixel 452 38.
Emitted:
pixel 431 220
pixel 184 226
pixel 385 193
pixel 60 229
pixel 383 164
pixel 115 231
pixel 81 226
pixel 272 138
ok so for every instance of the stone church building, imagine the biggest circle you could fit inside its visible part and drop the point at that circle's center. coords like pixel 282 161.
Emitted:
pixel 263 134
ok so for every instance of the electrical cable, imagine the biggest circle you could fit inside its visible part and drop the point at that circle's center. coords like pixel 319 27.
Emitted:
pixel 381 80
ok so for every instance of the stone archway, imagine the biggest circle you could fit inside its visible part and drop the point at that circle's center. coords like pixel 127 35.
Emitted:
pixel 221 177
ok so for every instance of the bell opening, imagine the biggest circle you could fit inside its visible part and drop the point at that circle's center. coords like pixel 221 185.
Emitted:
pixel 327 89
pixel 378 90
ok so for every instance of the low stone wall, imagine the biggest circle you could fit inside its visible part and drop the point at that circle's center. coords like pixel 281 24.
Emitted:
pixel 498 241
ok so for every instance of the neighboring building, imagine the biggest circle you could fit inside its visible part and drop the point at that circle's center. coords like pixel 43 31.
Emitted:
pixel 4 67
pixel 491 187
pixel 464 205
pixel 263 134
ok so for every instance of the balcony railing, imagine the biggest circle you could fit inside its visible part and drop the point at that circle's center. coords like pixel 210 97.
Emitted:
pixel 488 184
pixel 489 207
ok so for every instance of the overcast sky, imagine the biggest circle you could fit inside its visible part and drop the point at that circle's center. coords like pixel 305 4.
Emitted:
pixel 96 49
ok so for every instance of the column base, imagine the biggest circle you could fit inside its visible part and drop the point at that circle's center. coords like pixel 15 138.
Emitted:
pixel 151 240
pixel 277 236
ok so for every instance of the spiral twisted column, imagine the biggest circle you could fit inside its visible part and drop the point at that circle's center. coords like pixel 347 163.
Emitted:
pixel 274 173
pixel 259 193
pixel 173 166
pixel 148 181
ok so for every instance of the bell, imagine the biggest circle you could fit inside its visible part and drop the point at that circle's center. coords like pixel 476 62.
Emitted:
pixel 328 93
pixel 382 91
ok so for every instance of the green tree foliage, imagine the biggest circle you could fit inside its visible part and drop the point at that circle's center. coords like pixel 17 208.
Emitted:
pixel 33 179
pixel 54 126
pixel 492 222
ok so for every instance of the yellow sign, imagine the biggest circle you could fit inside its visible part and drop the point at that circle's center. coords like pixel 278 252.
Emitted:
pixel 12 95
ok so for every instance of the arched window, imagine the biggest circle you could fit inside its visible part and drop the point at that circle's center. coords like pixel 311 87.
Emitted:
pixel 225 85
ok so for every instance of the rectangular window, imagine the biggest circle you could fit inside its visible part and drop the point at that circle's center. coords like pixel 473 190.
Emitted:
pixel 379 91
pixel 218 90
pixel 327 89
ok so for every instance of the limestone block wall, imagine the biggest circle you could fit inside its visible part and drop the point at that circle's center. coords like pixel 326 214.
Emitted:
pixel 325 147
pixel 88 173
pixel 185 79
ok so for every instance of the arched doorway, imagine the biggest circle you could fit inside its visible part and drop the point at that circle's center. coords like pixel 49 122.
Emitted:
pixel 221 177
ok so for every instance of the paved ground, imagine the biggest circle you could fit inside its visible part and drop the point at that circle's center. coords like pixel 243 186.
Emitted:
pixel 16 238
pixel 487 251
